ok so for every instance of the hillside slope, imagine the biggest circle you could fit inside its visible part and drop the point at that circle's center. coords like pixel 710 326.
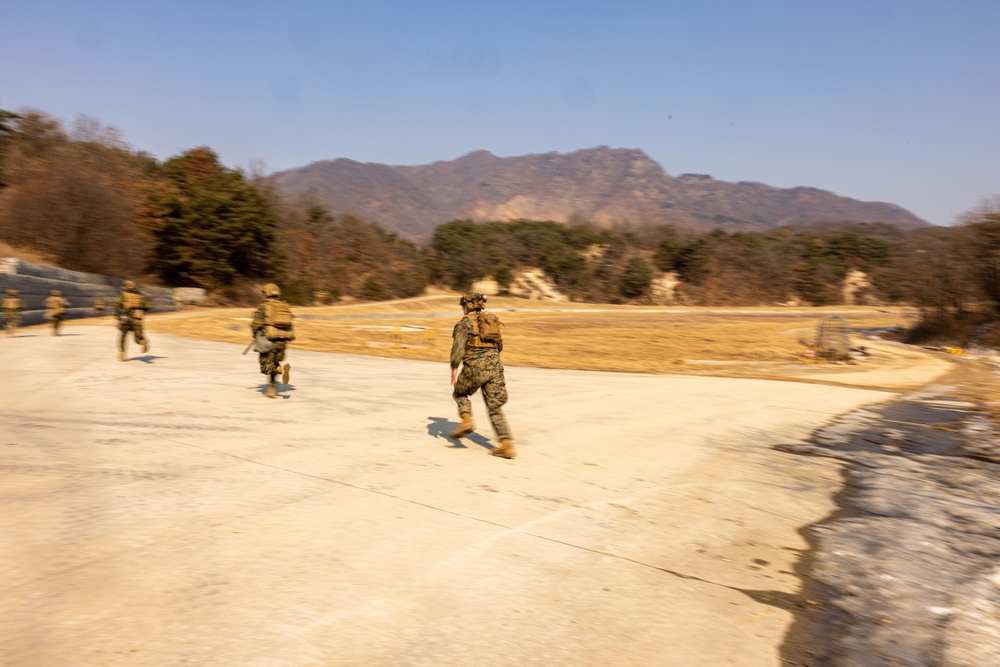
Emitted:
pixel 603 185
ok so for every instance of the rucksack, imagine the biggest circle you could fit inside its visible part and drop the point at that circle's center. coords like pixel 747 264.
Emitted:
pixel 278 320
pixel 489 328
pixel 485 330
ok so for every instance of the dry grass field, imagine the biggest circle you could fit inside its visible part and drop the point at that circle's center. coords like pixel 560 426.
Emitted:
pixel 704 341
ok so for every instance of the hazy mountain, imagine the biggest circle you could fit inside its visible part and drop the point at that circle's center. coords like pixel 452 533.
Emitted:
pixel 603 185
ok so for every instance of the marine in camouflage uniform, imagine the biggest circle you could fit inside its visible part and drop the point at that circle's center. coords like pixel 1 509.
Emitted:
pixel 12 307
pixel 481 369
pixel 270 361
pixel 130 309
pixel 55 310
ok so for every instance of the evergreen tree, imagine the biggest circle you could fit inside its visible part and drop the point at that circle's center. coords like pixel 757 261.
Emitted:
pixel 636 279
pixel 211 226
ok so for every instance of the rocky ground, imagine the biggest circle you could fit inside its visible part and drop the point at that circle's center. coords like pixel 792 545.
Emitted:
pixel 906 573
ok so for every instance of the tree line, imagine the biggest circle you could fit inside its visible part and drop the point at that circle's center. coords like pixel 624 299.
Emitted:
pixel 83 199
pixel 86 200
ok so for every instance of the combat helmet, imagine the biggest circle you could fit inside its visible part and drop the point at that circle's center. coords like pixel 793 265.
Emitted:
pixel 56 292
pixel 12 292
pixel 128 284
pixel 474 300
pixel 271 289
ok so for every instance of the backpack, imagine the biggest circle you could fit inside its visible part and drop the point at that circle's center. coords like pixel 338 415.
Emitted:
pixel 278 320
pixel 485 330
pixel 489 328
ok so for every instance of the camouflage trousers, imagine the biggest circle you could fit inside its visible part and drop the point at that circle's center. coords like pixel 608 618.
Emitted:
pixel 130 326
pixel 271 359
pixel 482 369
pixel 11 320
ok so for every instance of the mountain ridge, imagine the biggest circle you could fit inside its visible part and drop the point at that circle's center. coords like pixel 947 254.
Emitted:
pixel 603 185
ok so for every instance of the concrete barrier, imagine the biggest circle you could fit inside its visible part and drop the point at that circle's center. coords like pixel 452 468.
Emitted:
pixel 34 283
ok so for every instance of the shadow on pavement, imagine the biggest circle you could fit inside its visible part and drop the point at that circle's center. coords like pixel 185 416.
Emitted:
pixel 439 427
pixel 282 390
pixel 146 358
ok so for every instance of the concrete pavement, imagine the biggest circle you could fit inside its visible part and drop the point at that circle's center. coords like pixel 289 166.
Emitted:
pixel 163 512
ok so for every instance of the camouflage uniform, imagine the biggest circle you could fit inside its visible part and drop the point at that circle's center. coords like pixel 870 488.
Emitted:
pixel 270 361
pixel 130 318
pixel 55 310
pixel 481 369
pixel 12 307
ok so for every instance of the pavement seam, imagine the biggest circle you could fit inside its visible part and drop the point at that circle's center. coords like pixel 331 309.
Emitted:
pixel 496 524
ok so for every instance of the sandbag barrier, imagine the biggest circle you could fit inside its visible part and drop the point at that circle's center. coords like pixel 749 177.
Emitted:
pixel 35 282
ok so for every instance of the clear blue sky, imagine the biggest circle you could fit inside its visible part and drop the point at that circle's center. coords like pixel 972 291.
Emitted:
pixel 879 100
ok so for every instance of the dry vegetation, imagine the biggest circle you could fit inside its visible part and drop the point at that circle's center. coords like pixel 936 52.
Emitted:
pixel 731 341
pixel 7 250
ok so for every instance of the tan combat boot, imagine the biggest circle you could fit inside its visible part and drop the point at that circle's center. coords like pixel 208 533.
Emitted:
pixel 465 428
pixel 505 450
pixel 272 390
pixel 145 346
pixel 121 356
pixel 286 373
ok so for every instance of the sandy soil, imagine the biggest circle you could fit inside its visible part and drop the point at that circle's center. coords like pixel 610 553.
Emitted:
pixel 162 512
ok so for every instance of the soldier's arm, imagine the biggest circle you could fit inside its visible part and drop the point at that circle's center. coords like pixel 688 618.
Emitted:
pixel 459 337
pixel 257 323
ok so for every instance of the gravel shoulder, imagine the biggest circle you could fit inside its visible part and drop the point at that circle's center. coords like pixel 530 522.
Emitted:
pixel 905 572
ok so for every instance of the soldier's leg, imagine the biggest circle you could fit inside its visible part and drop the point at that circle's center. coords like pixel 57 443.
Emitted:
pixel 267 367
pixel 466 384
pixel 267 363
pixel 122 342
pixel 279 356
pixel 495 396
pixel 137 334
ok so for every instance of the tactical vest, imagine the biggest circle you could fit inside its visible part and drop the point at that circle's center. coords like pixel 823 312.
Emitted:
pixel 278 320
pixel 55 305
pixel 485 330
pixel 133 303
pixel 131 300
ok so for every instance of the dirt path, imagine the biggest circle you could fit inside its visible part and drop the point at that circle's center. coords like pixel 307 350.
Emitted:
pixel 162 512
